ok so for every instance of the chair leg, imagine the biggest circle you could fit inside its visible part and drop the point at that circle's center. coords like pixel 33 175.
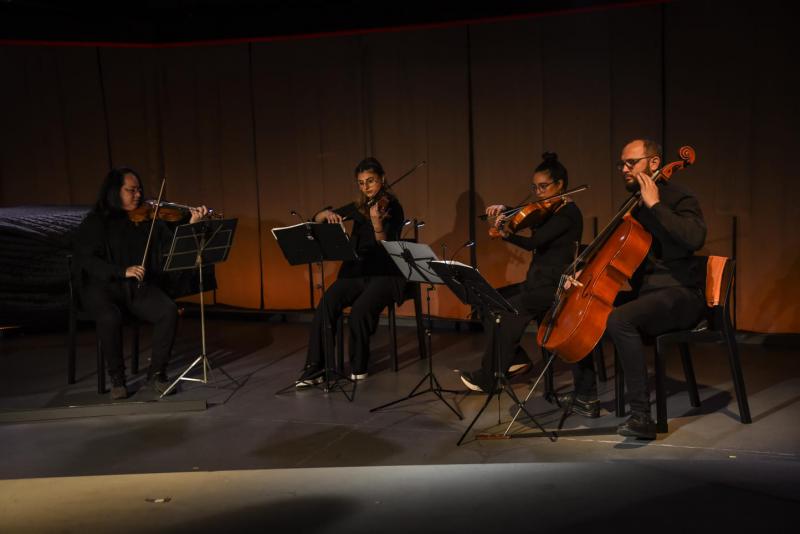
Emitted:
pixel 135 349
pixel 738 379
pixel 71 350
pixel 688 372
pixel 619 385
pixel 661 393
pixel 393 336
pixel 101 369
pixel 600 361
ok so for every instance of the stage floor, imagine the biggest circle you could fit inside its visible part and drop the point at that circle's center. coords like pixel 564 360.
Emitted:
pixel 258 453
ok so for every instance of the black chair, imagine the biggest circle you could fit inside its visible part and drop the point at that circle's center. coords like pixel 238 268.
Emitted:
pixel 77 313
pixel 715 328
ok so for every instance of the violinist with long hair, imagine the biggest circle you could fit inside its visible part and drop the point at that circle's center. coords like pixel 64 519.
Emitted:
pixel 553 243
pixel 367 284
pixel 109 250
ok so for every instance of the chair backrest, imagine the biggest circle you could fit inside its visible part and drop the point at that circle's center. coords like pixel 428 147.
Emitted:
pixel 720 274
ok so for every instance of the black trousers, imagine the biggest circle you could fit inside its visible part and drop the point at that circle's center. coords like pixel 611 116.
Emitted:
pixel 105 302
pixel 367 297
pixel 652 313
pixel 531 304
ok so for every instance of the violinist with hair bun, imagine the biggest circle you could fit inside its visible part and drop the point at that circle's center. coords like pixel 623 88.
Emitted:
pixel 367 284
pixel 553 242
pixel 109 247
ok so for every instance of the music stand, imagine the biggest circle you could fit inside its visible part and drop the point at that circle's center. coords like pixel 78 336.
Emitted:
pixel 312 242
pixel 472 289
pixel 194 246
pixel 412 259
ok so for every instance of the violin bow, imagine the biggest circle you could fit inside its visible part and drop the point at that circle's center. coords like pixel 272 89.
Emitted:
pixel 153 222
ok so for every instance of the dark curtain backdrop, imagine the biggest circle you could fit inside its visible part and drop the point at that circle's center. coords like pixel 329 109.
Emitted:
pixel 259 129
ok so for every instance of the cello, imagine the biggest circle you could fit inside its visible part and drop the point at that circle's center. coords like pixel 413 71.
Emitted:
pixel 577 320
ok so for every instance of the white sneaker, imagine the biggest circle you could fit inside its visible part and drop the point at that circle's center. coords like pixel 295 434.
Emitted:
pixel 356 377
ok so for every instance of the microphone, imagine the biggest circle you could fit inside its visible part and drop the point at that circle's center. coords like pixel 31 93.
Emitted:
pixel 468 244
pixel 306 223
pixel 302 219
pixel 403 227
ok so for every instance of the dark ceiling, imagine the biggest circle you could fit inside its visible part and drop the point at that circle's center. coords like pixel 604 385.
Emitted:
pixel 169 21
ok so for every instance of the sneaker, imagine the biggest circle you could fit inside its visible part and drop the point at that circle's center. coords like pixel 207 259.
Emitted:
pixel 587 407
pixel 520 363
pixel 639 425
pixel 355 377
pixel 118 389
pixel 475 381
pixel 516 369
pixel 312 375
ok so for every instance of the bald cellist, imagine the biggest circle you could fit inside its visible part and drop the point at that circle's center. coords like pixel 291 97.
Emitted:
pixel 666 287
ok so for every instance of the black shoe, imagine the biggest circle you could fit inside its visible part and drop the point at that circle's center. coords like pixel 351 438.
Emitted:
pixel 585 406
pixel 476 381
pixel 159 383
pixel 118 389
pixel 639 425
pixel 312 375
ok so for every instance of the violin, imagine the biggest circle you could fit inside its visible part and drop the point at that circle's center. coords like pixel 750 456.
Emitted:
pixel 529 215
pixel 381 201
pixel 167 211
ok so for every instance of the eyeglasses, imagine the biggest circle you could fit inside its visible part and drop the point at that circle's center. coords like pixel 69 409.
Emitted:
pixel 542 186
pixel 629 163
pixel 368 182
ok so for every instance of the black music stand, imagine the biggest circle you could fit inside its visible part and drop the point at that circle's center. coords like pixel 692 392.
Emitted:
pixel 472 289
pixel 194 246
pixel 413 261
pixel 312 242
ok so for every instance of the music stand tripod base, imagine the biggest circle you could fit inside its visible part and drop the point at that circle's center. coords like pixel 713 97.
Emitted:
pixel 413 261
pixel 193 246
pixel 472 289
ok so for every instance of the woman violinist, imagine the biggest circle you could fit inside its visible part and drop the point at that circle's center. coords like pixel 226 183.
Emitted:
pixel 114 274
pixel 553 243
pixel 368 284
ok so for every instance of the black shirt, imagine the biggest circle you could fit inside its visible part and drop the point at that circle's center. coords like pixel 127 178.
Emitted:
pixel 106 246
pixel 554 244
pixel 678 229
pixel 373 259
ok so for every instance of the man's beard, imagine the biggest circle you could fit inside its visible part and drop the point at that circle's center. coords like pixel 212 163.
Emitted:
pixel 632 186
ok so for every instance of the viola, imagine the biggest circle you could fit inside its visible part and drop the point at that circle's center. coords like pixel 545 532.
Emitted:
pixel 529 215
pixel 577 320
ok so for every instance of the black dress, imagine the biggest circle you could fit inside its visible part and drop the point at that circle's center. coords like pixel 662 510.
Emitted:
pixel 367 285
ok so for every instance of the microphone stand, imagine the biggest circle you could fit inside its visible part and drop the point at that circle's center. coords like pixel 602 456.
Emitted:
pixel 310 267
